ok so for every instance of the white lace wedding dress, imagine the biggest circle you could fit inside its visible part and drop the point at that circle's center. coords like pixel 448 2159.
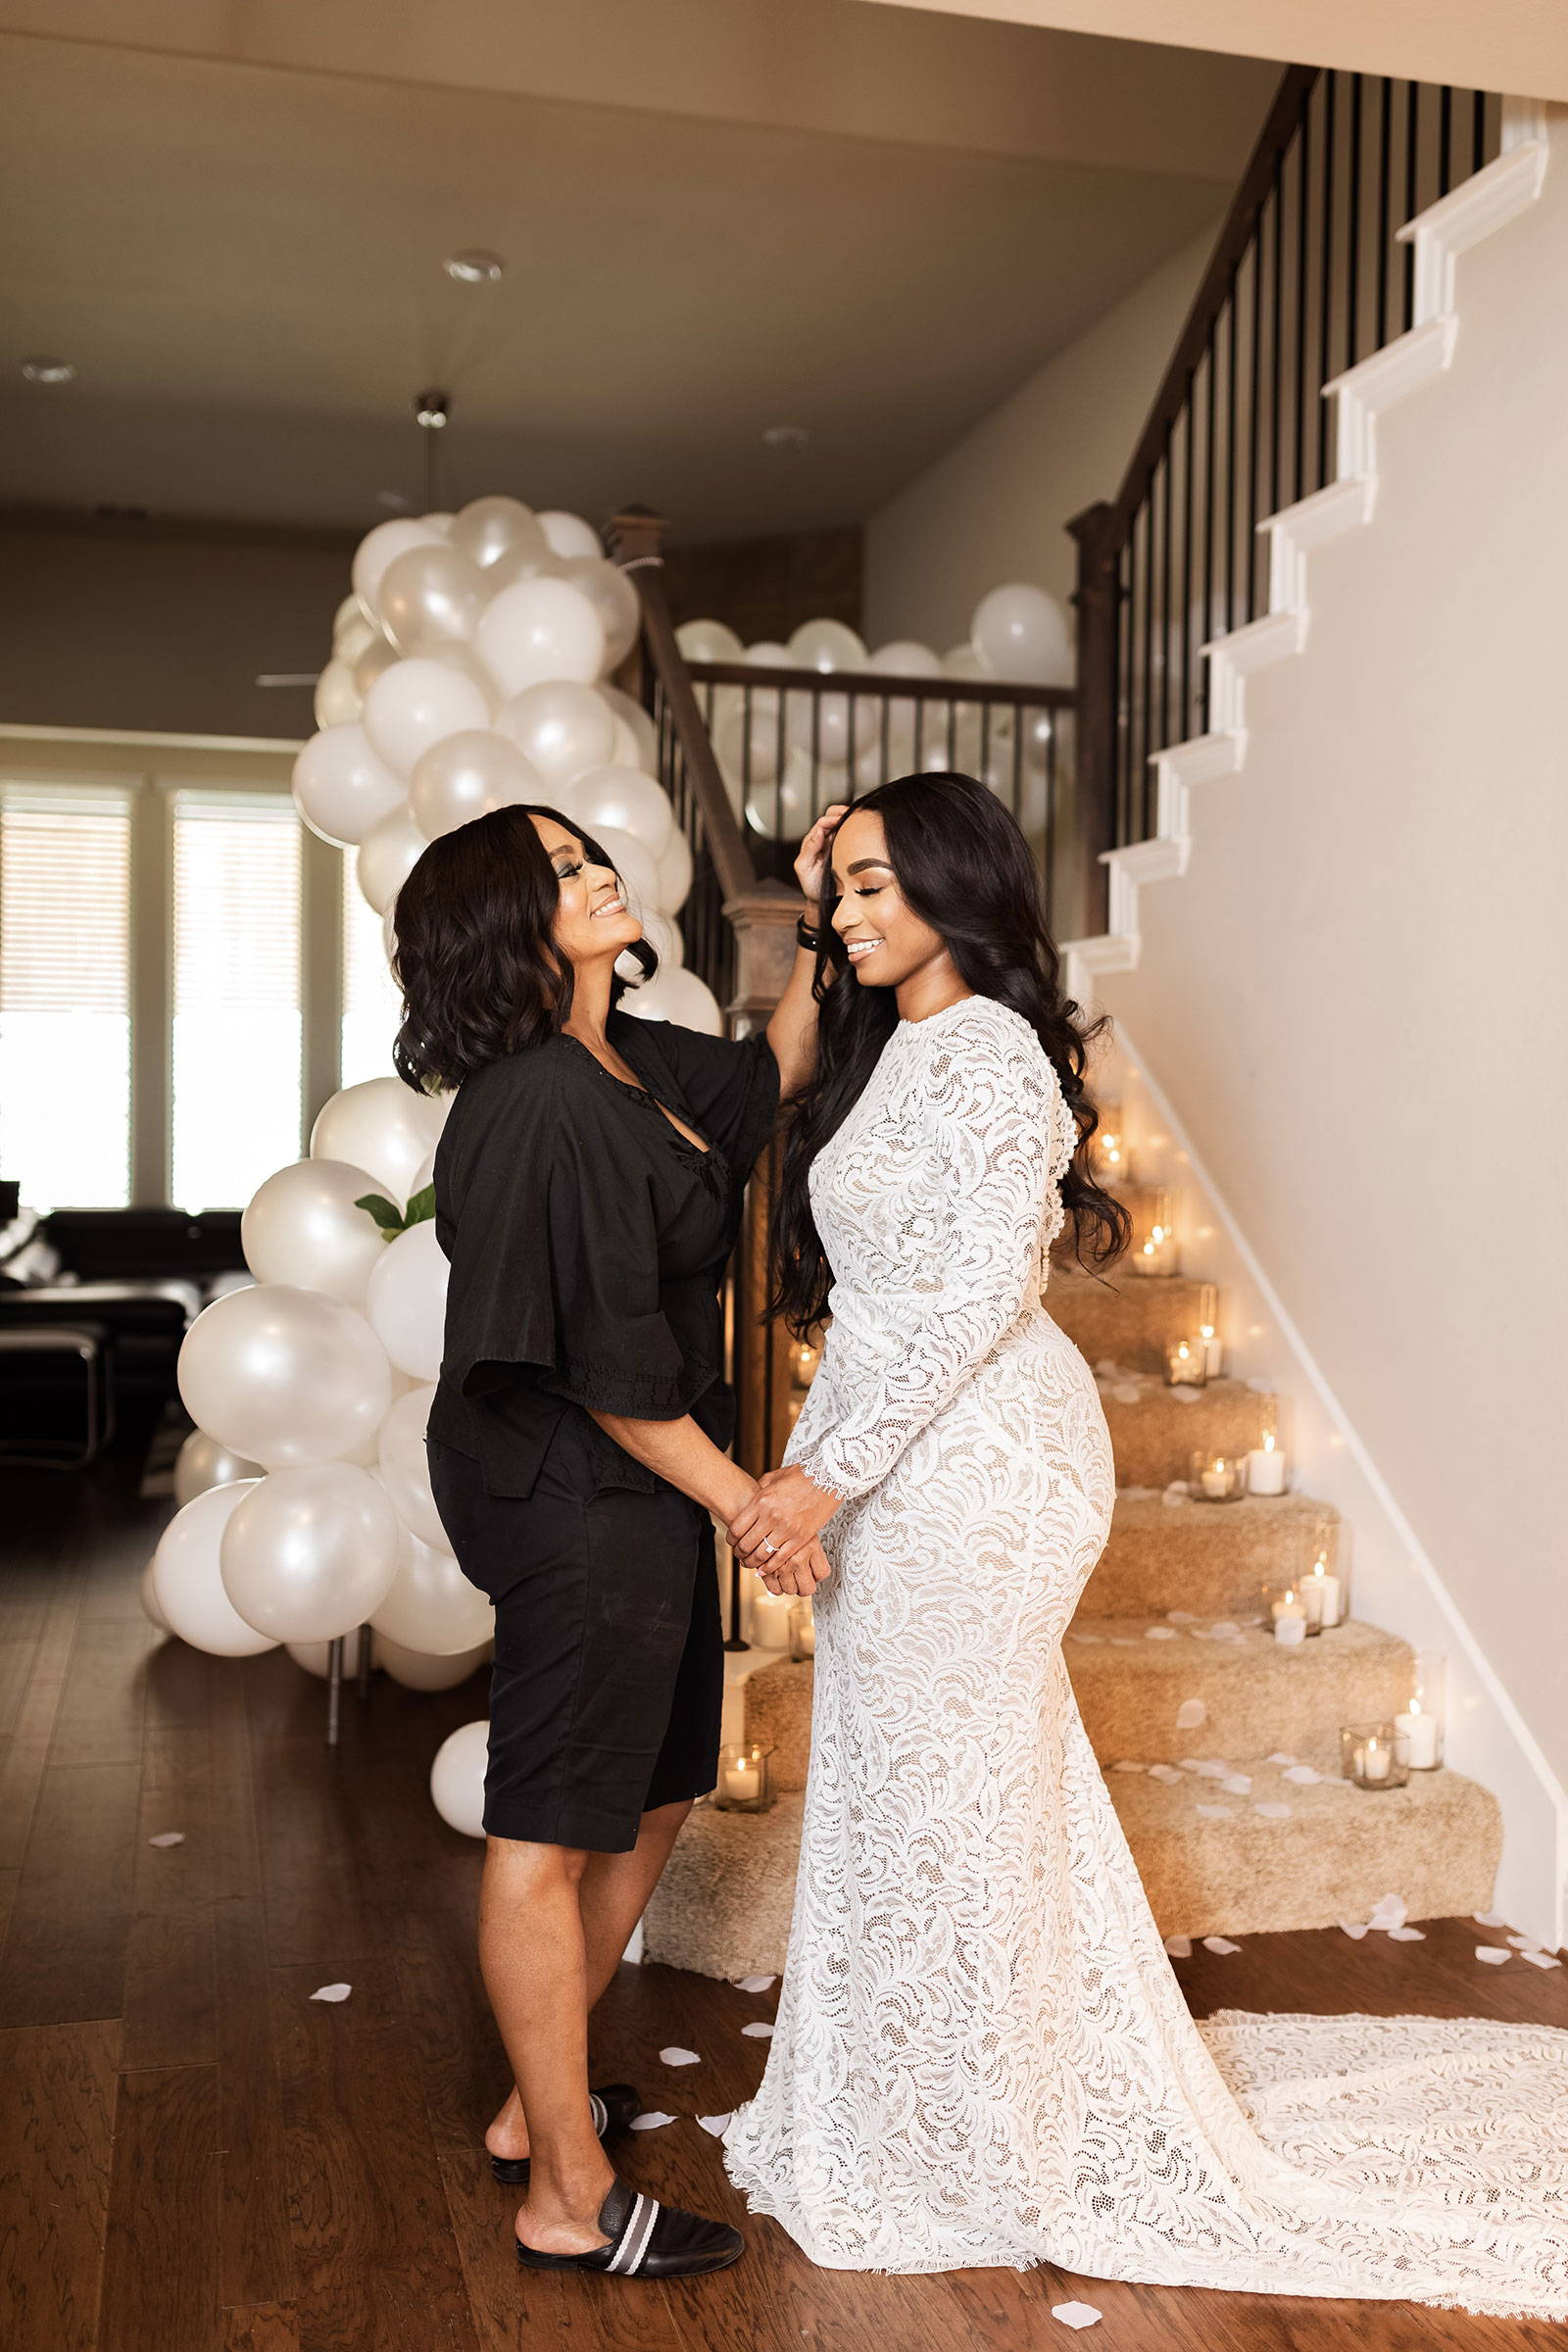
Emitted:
pixel 982 2055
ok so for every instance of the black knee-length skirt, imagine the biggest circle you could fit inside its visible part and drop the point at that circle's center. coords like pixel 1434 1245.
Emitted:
pixel 608 1677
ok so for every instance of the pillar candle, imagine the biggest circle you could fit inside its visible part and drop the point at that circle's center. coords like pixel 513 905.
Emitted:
pixel 1419 1733
pixel 1266 1469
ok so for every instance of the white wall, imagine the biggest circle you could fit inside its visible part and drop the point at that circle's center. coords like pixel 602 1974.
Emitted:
pixel 996 506
pixel 1353 999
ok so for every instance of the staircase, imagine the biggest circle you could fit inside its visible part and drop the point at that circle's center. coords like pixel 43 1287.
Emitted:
pixel 1163 1622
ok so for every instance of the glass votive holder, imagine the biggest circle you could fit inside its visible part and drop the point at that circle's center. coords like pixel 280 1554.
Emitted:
pixel 745 1781
pixel 1370 1756
pixel 1288 1615
pixel 1109 1148
pixel 1185 1364
pixel 803 1360
pixel 1208 1332
pixel 803 1632
pixel 1217 1477
pixel 1419 1729
pixel 1154 1243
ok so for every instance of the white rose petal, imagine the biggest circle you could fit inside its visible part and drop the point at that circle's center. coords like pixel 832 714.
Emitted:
pixel 1238 1784
pixel 654 2120
pixel 760 2031
pixel 168 1837
pixel 1215 1812
pixel 1165 1771
pixel 1160 1633
pixel 1489 1919
pixel 1189 1714
pixel 717 2124
pixel 1179 1948
pixel 1271 1812
pixel 1355 1928
pixel 1493 1955
pixel 1219 1943
pixel 1075 2315
pixel 753 1984
pixel 1406 1934
pixel 1541 1959
pixel 675 2056
pixel 332 1993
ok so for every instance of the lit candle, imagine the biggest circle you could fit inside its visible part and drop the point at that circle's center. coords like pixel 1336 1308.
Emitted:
pixel 1418 1736
pixel 1217 1482
pixel 742 1780
pixel 803 1631
pixel 1185 1366
pixel 768 1619
pixel 1321 1594
pixel 1267 1468
pixel 1213 1352
pixel 1290 1620
pixel 1372 1761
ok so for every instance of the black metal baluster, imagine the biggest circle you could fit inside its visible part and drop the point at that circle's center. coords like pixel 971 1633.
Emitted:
pixel 1413 143
pixel 1146 744
pixel 1444 139
pixel 985 748
pixel 1303 186
pixel 1385 198
pixel 1167 534
pixel 1185 714
pixel 1325 292
pixel 1352 255
pixel 1254 424
pixel 1478 129
pixel 1276 386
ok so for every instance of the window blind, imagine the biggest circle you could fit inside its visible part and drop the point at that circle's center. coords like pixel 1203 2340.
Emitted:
pixel 235 970
pixel 372 1009
pixel 65 994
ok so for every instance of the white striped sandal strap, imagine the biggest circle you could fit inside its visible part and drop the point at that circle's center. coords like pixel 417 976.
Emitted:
pixel 630 2250
pixel 647 2240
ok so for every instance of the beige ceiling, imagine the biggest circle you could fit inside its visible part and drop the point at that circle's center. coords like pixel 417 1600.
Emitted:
pixel 1519 47
pixel 232 218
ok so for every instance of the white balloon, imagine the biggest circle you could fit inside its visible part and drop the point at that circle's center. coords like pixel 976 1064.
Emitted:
pixel 663 937
pixel 831 727
pixel 568 535
pixel 406 1469
pixel 787 809
pixel 317 1658
pixel 826 645
pixel 417 1671
pixel 708 641
pixel 301 1227
pixel 1022 632
pixel 625 801
pixel 905 659
pixel 488 528
pixel 532 561
pixel 376 656
pixel 147 1595
pixel 674 875
pixel 384 1126
pixel 538 629
pixel 636 865
pixel 676 995
pixel 768 653
pixel 614 599
pixel 467 775
pixel 423 1174
pixel 387 856
pixel 457 1778
pixel 625 751
pixel 202 1463
pixel 634 716
pixel 377 549
pixel 310 1552
pixel 432 1607
pixel 439 521
pixel 560 727
pixel 747 744
pixel 414 703
pixel 430 597
pixel 187 1581
pixel 337 701
pixel 342 788
pixel 351 631
pixel 963 661
pixel 406 1301
pixel 284 1375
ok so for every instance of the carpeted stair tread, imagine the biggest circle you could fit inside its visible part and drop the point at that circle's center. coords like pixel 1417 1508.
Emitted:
pixel 1127 1320
pixel 1154 1430
pixel 1255 1694
pixel 1436 1842
pixel 1210 1557
pixel 778 1711
pixel 722 1906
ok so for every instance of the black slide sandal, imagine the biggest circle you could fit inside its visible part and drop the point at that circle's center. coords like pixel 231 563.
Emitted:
pixel 612 2106
pixel 647 2240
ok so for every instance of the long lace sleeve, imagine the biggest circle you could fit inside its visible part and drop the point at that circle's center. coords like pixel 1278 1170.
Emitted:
pixel 973 1225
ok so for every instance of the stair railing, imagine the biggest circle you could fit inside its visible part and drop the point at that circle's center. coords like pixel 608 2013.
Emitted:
pixel 1308 275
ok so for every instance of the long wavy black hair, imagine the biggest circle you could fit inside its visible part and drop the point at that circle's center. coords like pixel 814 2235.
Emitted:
pixel 963 866
pixel 473 930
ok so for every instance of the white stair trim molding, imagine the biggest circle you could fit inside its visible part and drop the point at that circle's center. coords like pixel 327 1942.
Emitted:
pixel 1481 204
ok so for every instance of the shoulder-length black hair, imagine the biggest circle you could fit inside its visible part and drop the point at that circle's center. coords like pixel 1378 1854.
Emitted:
pixel 964 866
pixel 473 929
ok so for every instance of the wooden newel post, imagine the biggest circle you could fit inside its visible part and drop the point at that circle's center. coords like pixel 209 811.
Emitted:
pixel 1098 597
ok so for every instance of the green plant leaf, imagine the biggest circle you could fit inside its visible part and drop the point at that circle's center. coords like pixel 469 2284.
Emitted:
pixel 421 1205
pixel 377 1205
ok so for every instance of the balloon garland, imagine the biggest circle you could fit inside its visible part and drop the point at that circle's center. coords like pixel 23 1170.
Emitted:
pixel 468 672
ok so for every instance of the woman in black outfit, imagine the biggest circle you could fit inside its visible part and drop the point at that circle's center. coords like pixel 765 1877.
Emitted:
pixel 588 1192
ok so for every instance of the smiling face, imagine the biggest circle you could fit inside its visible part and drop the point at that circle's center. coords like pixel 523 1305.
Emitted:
pixel 886 941
pixel 593 919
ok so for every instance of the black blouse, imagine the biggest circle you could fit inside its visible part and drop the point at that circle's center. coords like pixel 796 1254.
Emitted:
pixel 587 1242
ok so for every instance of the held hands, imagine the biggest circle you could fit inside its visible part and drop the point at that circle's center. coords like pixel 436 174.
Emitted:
pixel 776 1532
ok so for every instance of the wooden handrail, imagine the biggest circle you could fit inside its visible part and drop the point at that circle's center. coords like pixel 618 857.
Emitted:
pixel 636 542
pixel 884 683
pixel 1283 121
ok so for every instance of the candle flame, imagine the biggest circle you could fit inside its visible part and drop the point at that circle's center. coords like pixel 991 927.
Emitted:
pixel 1268 1442
pixel 1319 1567
pixel 1206 1330
pixel 1415 1706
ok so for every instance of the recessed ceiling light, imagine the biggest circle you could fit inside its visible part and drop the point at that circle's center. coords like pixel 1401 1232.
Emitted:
pixel 787 436
pixel 432 410
pixel 47 372
pixel 475 268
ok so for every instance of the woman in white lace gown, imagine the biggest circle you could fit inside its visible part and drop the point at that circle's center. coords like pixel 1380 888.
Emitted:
pixel 982 2055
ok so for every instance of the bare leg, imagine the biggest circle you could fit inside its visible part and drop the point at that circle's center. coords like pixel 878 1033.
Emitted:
pixel 532 1954
pixel 613 1896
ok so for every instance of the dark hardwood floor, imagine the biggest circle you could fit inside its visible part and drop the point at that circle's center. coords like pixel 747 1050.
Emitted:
pixel 196 2157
